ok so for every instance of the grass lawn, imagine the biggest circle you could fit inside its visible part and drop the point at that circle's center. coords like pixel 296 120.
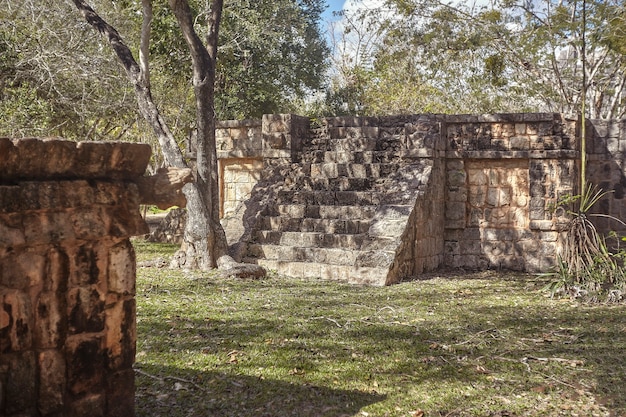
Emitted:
pixel 481 344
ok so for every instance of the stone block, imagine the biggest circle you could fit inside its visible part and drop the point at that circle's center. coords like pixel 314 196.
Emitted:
pixel 92 405
pixel 120 394
pixel 17 321
pixel 127 160
pixel 126 221
pixel 90 223
pixel 84 358
pixel 86 265
pixel 540 224
pixel 456 178
pixel 11 230
pixel 48 227
pixel 85 306
pixel 79 193
pixel 50 321
pixel 121 268
pixel 458 195
pixel 455 211
pixel 520 143
pixel 277 141
pixel 471 247
pixel 536 214
pixel 32 150
pixel 52 382
pixel 9 163
pixel 387 227
pixel 21 383
pixel 57 270
pixel 120 337
pixel 273 123
pixel 92 158
pixel 10 199
pixel 345 198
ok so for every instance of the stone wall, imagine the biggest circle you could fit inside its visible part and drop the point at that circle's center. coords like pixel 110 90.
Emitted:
pixel 606 150
pixel 422 243
pixel 493 180
pixel 243 148
pixel 67 276
pixel 505 174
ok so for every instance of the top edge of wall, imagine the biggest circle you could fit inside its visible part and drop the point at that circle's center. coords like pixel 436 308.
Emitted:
pixel 52 158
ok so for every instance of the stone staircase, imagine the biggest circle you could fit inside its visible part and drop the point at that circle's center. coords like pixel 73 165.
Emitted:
pixel 343 207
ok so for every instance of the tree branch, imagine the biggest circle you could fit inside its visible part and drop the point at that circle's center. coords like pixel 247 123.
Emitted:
pixel 144 49
pixel 171 152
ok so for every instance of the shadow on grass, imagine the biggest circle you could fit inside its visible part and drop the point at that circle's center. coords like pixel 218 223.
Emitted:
pixel 193 393
pixel 433 345
pixel 589 340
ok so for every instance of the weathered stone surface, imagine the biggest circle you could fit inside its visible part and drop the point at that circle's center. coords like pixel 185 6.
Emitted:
pixel 164 189
pixel 120 334
pixel 120 390
pixel 84 357
pixel 121 268
pixel 20 390
pixel 89 405
pixel 52 383
pixel 65 267
pixel 67 160
pixel 86 310
pixel 17 322
pixel 50 322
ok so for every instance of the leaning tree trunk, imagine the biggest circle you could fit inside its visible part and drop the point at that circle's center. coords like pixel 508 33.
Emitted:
pixel 204 239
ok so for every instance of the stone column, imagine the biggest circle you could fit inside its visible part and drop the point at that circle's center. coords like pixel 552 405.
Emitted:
pixel 67 276
pixel 283 136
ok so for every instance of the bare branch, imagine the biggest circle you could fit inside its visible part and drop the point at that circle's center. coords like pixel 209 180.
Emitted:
pixel 144 49
pixel 147 106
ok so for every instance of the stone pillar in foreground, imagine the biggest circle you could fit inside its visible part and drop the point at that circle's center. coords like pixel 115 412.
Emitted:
pixel 67 276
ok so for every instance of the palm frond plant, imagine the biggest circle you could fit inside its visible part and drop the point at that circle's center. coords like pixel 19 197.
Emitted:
pixel 588 267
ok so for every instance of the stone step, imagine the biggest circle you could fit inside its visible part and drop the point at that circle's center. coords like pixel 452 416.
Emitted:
pixel 350 156
pixel 380 194
pixel 351 170
pixel 358 144
pixel 330 198
pixel 310 239
pixel 332 256
pixel 337 226
pixel 321 211
pixel 348 274
pixel 342 184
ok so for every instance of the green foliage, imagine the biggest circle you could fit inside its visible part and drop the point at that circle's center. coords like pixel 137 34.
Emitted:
pixel 588 268
pixel 508 56
pixel 74 89
pixel 22 112
pixel 270 54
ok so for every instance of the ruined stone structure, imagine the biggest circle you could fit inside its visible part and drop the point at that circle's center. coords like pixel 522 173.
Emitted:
pixel 67 277
pixel 380 199
pixel 366 200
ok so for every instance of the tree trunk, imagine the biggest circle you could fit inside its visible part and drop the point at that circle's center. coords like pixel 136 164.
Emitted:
pixel 204 239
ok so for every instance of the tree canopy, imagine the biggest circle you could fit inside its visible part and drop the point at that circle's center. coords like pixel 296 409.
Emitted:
pixel 56 80
pixel 509 55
